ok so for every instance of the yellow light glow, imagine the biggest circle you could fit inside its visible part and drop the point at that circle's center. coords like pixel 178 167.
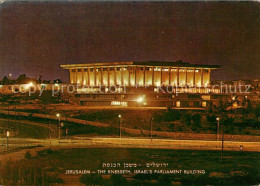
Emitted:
pixel 140 99
pixel 27 86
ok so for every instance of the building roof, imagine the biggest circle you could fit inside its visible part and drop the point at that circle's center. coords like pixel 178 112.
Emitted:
pixel 146 63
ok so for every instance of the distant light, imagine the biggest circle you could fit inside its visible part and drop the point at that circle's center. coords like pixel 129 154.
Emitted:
pixel 234 98
pixel 1 86
pixel 7 133
pixel 140 99
pixel 30 84
pixel 58 115
pixel 217 119
pixel 9 75
pixel 56 84
pixel 119 116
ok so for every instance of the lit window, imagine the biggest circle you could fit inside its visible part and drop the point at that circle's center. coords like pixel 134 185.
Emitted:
pixel 205 97
pixel 178 104
pixel 204 104
pixel 118 103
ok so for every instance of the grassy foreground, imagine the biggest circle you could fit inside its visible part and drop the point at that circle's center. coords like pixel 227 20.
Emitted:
pixel 236 168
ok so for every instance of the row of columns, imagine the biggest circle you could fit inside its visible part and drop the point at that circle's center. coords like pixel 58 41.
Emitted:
pixel 135 71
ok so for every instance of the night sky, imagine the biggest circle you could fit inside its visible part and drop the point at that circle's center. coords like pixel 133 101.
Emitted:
pixel 35 38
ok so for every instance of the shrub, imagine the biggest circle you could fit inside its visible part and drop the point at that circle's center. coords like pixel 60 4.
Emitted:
pixel 164 179
pixel 27 155
pixel 117 179
pixel 91 179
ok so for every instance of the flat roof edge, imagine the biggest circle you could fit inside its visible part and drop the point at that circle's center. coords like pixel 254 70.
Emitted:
pixel 168 64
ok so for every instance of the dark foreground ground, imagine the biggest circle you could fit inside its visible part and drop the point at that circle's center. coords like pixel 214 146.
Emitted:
pixel 50 166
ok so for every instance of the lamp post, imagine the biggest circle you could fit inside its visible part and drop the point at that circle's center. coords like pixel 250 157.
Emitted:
pixel 58 115
pixel 222 144
pixel 49 127
pixel 8 111
pixel 217 128
pixel 151 126
pixel 67 130
pixel 7 139
pixel 61 126
pixel 119 120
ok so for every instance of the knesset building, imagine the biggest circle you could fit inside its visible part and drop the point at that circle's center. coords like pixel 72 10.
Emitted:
pixel 129 84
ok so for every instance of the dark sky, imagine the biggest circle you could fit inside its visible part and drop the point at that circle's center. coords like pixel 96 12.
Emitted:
pixel 35 38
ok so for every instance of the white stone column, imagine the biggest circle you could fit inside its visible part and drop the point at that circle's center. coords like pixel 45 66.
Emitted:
pixel 129 75
pixel 161 76
pixel 122 76
pixel 82 76
pixel 186 76
pixel 89 76
pixel 101 71
pixel 144 76
pixel 178 77
pixel 108 74
pixel 202 77
pixel 95 76
pixel 135 75
pixel 209 76
pixel 115 75
pixel 194 75
pixel 170 75
pixel 152 76
pixel 76 75
pixel 71 76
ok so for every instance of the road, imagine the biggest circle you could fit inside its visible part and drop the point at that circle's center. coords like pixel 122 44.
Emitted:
pixel 26 129
pixel 142 143
pixel 33 134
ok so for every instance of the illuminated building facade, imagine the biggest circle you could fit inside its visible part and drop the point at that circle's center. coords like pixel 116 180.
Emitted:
pixel 152 73
pixel 141 83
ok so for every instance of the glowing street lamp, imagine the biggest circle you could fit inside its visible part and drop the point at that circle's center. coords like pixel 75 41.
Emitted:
pixel 119 120
pixel 217 128
pixel 7 137
pixel 141 99
pixel 58 115
pixel 49 127
pixel 151 124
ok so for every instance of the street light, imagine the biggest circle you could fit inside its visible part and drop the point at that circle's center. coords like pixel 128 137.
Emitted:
pixel 49 127
pixel 119 120
pixel 151 124
pixel 7 137
pixel 67 130
pixel 58 115
pixel 217 128
pixel 140 100
pixel 222 144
